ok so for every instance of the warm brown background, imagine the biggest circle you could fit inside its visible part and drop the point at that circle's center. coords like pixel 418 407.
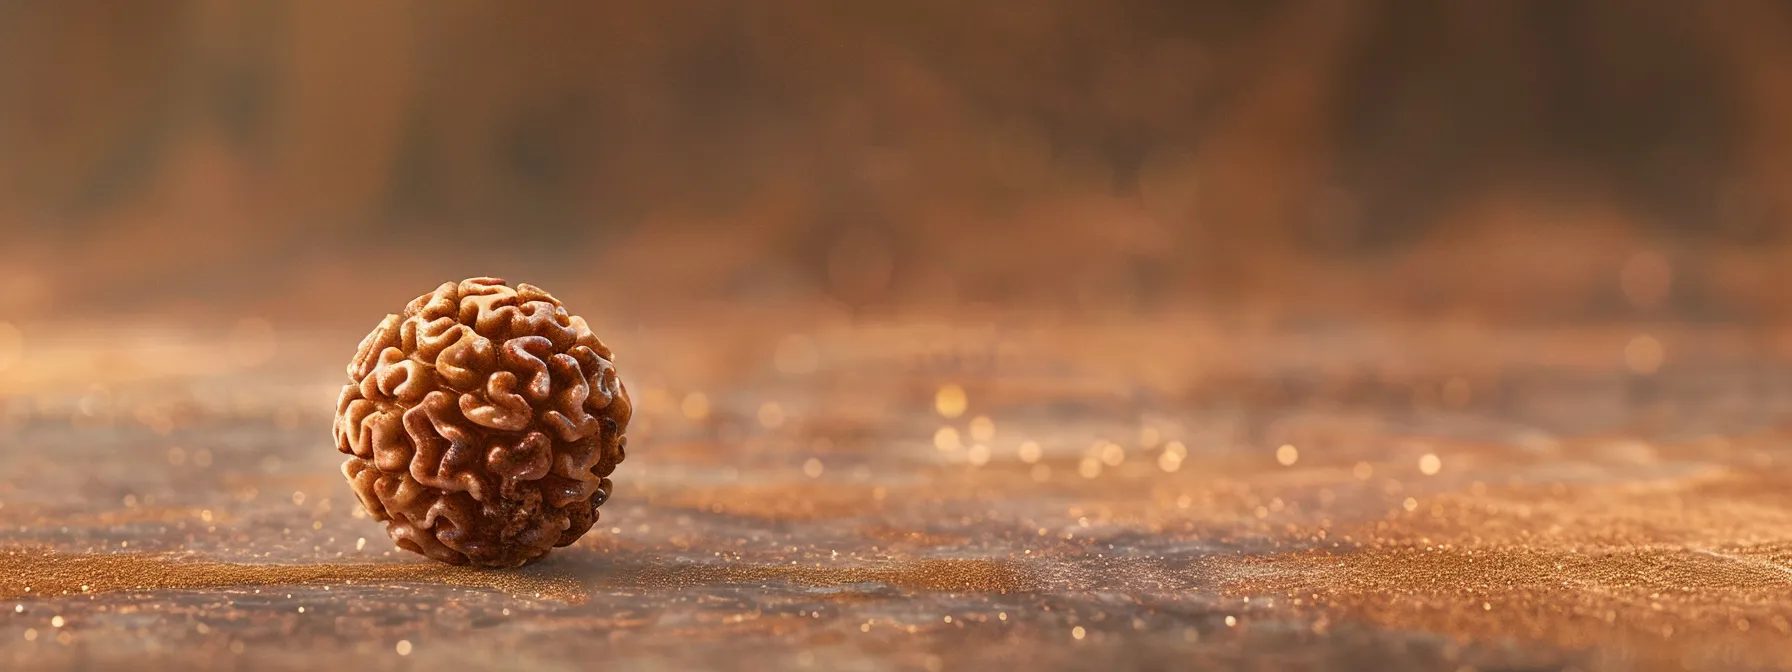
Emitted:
pixel 326 160
pixel 1015 334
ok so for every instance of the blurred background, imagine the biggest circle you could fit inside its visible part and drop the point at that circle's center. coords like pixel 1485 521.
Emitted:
pixel 1529 161
pixel 1146 302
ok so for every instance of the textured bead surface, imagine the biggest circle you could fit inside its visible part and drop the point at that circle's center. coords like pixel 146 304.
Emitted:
pixel 482 423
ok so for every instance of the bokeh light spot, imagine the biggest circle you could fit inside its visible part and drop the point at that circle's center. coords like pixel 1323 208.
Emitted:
pixel 695 406
pixel 950 401
pixel 1287 455
pixel 1029 451
pixel 1429 464
pixel 982 428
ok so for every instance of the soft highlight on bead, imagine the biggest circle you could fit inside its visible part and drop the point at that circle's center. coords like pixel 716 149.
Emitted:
pixel 482 424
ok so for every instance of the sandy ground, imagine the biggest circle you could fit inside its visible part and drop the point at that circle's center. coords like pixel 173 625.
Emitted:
pixel 863 495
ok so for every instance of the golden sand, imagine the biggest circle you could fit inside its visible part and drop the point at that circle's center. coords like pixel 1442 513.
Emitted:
pixel 39 573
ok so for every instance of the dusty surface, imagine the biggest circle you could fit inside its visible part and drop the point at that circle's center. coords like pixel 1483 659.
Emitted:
pixel 1451 498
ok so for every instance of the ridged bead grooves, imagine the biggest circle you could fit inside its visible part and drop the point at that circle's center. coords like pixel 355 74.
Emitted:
pixel 482 424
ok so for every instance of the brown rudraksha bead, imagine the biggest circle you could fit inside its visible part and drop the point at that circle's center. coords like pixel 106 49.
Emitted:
pixel 482 424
